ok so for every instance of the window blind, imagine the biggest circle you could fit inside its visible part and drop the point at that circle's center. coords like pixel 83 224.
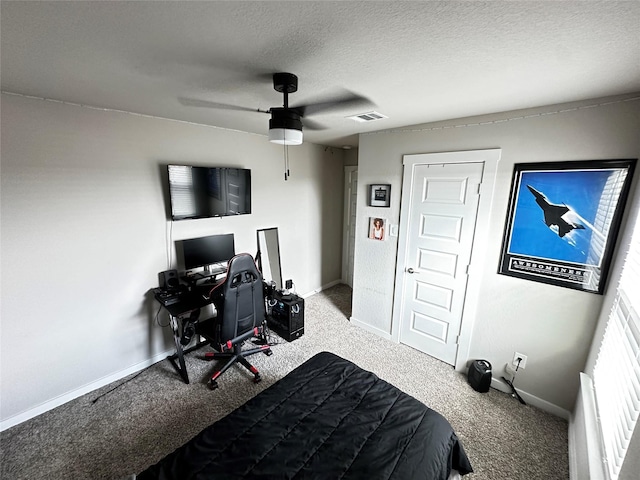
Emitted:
pixel 182 198
pixel 616 374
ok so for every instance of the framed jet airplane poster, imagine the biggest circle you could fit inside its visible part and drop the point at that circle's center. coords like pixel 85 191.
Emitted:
pixel 563 220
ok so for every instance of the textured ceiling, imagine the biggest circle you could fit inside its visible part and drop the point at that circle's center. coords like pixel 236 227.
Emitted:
pixel 415 62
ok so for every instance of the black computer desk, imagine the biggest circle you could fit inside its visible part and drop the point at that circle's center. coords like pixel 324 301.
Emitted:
pixel 180 306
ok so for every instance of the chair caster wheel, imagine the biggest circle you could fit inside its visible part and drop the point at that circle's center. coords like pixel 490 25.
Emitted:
pixel 257 379
pixel 213 384
pixel 268 353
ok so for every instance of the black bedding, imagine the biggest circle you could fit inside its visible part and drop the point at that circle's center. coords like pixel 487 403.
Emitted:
pixel 327 419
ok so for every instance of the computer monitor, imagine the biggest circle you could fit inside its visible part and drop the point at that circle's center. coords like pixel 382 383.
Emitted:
pixel 211 252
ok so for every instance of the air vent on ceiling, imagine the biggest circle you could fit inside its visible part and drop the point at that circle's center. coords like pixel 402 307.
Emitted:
pixel 367 117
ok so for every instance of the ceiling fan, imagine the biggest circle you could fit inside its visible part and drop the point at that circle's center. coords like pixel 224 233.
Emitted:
pixel 285 126
pixel 286 123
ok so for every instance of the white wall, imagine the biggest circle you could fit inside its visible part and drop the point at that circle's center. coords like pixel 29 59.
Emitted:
pixel 85 233
pixel 554 326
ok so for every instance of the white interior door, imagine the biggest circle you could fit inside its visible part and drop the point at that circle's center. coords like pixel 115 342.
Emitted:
pixel 443 204
pixel 348 245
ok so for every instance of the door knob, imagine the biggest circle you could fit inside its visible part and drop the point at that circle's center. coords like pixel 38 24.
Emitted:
pixel 411 270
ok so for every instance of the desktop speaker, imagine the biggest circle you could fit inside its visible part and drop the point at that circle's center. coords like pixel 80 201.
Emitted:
pixel 168 280
pixel 479 375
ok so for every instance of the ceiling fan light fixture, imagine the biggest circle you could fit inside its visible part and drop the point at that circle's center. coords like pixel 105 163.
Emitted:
pixel 285 127
pixel 285 136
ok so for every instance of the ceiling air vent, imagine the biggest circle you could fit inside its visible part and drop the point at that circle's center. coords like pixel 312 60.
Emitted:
pixel 367 117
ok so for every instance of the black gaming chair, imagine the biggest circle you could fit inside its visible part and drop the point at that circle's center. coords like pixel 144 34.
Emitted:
pixel 239 301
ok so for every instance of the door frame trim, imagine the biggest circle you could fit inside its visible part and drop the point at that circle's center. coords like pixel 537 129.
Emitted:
pixel 348 171
pixel 490 159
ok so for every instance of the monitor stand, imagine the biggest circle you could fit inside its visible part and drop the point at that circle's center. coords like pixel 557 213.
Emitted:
pixel 207 276
pixel 214 269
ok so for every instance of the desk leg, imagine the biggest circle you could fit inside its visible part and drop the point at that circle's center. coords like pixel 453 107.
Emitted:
pixel 181 368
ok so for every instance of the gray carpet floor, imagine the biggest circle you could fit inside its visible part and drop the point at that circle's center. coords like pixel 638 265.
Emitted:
pixel 111 434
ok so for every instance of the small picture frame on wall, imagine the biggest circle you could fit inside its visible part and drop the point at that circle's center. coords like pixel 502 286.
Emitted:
pixel 379 195
pixel 377 228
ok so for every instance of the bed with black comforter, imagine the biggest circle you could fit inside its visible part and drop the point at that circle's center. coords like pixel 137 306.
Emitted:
pixel 327 419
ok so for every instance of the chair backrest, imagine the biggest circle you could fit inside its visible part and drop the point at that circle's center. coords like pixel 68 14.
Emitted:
pixel 242 307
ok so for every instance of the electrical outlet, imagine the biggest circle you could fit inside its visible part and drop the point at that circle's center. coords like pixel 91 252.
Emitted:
pixel 523 361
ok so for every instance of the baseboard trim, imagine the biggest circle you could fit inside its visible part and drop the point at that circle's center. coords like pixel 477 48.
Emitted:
pixel 67 397
pixel 533 400
pixel 323 287
pixel 371 328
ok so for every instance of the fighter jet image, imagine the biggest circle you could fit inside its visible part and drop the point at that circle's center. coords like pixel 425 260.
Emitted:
pixel 553 214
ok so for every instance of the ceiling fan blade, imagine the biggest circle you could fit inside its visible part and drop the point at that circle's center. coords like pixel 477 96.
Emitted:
pixel 312 125
pixel 347 100
pixel 194 102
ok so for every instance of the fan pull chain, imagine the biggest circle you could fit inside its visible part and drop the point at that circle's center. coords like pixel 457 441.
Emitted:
pixel 286 162
pixel 284 156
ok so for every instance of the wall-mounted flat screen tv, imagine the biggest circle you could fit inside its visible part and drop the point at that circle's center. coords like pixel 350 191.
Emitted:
pixel 201 192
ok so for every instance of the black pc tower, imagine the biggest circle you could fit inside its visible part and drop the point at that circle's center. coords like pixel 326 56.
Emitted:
pixel 287 316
